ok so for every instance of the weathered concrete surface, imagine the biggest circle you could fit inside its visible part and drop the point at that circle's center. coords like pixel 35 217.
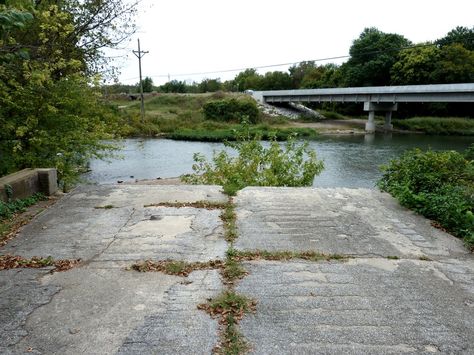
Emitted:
pixel 99 307
pixel 169 233
pixel 368 305
pixel 20 294
pixel 75 228
pixel 92 311
pixel 181 328
pixel 359 222
pixel 365 306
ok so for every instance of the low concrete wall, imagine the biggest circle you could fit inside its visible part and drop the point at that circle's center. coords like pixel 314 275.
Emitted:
pixel 27 182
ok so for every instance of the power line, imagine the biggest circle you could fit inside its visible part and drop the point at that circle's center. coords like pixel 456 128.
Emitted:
pixel 296 63
pixel 242 69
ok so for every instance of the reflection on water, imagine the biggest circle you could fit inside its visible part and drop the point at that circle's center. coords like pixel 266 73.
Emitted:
pixel 350 161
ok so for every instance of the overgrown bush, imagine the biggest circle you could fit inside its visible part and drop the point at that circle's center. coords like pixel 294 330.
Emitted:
pixel 438 185
pixel 288 164
pixel 232 110
pixel 8 209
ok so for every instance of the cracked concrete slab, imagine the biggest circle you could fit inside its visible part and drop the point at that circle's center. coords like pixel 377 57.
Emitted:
pixel 21 293
pixel 94 312
pixel 160 233
pixel 358 222
pixel 365 306
pixel 181 328
pixel 91 310
pixel 139 195
pixel 76 228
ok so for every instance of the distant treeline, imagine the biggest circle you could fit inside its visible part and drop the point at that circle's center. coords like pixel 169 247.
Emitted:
pixel 376 59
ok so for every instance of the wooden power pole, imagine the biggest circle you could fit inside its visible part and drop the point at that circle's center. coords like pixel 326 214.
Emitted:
pixel 139 54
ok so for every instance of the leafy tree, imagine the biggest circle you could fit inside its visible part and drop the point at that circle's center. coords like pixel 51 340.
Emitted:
pixel 276 80
pixel 174 86
pixel 455 65
pixel 298 72
pixel 372 56
pixel 51 112
pixel 324 76
pixel 416 65
pixel 98 24
pixel 147 84
pixel 210 85
pixel 248 80
pixel 461 35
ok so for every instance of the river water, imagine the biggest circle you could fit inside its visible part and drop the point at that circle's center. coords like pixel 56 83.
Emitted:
pixel 350 161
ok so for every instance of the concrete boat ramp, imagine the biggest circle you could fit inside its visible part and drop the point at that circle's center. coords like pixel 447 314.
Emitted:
pixel 402 286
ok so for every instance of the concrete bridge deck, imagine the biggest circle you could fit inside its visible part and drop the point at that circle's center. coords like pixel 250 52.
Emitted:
pixel 376 98
pixel 407 288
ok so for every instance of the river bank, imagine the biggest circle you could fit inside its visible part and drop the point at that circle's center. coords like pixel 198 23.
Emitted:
pixel 181 117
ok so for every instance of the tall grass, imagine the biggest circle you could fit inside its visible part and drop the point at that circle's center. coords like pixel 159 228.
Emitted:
pixel 438 125
pixel 180 116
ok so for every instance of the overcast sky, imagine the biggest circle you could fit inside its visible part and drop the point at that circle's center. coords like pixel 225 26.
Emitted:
pixel 186 36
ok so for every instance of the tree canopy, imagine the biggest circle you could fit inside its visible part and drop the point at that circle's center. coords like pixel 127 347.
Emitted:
pixel 51 111
pixel 372 56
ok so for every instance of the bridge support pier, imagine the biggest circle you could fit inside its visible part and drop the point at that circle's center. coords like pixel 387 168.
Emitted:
pixel 386 107
pixel 370 124
pixel 388 126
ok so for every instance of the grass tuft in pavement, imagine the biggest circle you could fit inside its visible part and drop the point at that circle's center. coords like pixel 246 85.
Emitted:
pixel 284 255
pixel 173 267
pixel 208 205
pixel 229 218
pixel 15 262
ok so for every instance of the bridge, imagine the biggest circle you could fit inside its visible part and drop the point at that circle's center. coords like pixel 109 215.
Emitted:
pixel 376 98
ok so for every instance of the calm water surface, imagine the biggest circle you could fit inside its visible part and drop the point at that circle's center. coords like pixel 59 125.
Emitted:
pixel 350 161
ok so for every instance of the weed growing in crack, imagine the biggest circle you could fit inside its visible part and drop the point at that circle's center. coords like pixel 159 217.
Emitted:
pixel 283 255
pixel 232 341
pixel 424 258
pixel 232 271
pixel 229 218
pixel 208 205
pixel 15 262
pixel 229 302
pixel 106 207
pixel 173 267
pixel 230 307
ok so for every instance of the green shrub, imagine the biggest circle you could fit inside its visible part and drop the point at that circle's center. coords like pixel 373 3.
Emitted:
pixel 469 153
pixel 7 209
pixel 232 110
pixel 438 185
pixel 292 164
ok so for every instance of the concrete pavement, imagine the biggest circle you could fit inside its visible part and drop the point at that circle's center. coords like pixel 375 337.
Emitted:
pixel 408 287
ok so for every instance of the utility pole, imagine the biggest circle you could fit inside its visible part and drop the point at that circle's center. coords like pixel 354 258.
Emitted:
pixel 139 54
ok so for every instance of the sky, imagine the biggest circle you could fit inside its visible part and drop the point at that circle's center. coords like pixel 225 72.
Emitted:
pixel 185 37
